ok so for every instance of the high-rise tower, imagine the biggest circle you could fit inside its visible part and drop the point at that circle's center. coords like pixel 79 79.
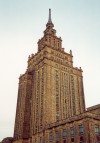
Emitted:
pixel 50 90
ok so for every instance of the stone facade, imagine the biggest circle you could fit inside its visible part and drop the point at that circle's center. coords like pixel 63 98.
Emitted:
pixel 51 106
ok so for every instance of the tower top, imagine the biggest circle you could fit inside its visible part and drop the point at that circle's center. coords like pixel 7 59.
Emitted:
pixel 49 23
pixel 49 20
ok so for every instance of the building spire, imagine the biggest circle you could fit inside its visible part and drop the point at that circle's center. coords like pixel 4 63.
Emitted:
pixel 49 20
pixel 49 23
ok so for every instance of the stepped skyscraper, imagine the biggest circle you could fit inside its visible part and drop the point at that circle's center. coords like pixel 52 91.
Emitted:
pixel 51 106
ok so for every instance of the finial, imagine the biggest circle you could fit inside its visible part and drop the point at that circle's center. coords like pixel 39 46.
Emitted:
pixel 49 23
pixel 70 52
pixel 49 20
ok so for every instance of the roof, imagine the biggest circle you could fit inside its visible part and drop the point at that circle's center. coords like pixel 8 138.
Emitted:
pixel 93 107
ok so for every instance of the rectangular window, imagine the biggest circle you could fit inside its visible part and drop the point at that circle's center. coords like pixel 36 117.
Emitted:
pixel 57 136
pixel 40 139
pixel 64 133
pixel 35 141
pixel 96 129
pixel 81 129
pixel 64 141
pixel 72 140
pixel 98 139
pixel 72 131
pixel 81 139
pixel 50 137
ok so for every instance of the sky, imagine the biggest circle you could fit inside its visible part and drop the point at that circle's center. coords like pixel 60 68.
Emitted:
pixel 22 23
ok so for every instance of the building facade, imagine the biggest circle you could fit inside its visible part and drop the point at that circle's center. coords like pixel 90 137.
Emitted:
pixel 51 106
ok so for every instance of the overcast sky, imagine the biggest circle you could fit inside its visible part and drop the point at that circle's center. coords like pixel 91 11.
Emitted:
pixel 22 23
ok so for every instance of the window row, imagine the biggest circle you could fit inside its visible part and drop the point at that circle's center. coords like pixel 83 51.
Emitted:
pixel 64 133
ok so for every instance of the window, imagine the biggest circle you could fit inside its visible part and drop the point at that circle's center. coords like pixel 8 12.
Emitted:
pixel 72 140
pixel 72 131
pixel 57 136
pixel 40 139
pixel 49 39
pixel 96 129
pixel 64 141
pixel 56 71
pixel 56 66
pixel 57 92
pixel 50 137
pixel 81 129
pixel 81 139
pixel 64 133
pixel 35 141
pixel 98 139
